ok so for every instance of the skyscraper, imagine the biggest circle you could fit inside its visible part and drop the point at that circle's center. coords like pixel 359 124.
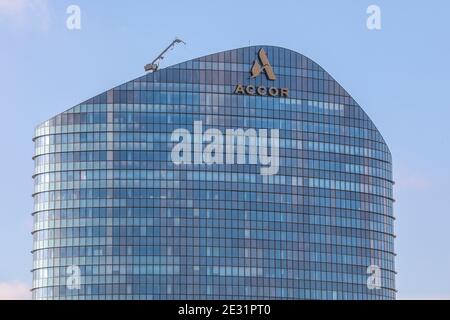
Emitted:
pixel 245 174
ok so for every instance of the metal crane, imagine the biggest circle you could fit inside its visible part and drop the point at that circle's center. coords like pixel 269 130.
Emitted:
pixel 152 67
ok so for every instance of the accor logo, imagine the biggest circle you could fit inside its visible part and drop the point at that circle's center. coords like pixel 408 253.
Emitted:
pixel 262 64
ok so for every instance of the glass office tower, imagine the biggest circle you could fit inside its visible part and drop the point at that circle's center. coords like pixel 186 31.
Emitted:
pixel 116 218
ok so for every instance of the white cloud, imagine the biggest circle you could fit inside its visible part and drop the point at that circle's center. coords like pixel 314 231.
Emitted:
pixel 412 179
pixel 415 182
pixel 26 12
pixel 12 7
pixel 419 297
pixel 14 291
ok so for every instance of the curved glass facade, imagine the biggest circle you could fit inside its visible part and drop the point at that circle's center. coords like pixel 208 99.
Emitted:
pixel 116 218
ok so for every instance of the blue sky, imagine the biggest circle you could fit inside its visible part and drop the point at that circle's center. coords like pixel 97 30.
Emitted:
pixel 399 74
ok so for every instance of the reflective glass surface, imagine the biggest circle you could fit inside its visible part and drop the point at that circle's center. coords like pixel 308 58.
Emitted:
pixel 115 218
